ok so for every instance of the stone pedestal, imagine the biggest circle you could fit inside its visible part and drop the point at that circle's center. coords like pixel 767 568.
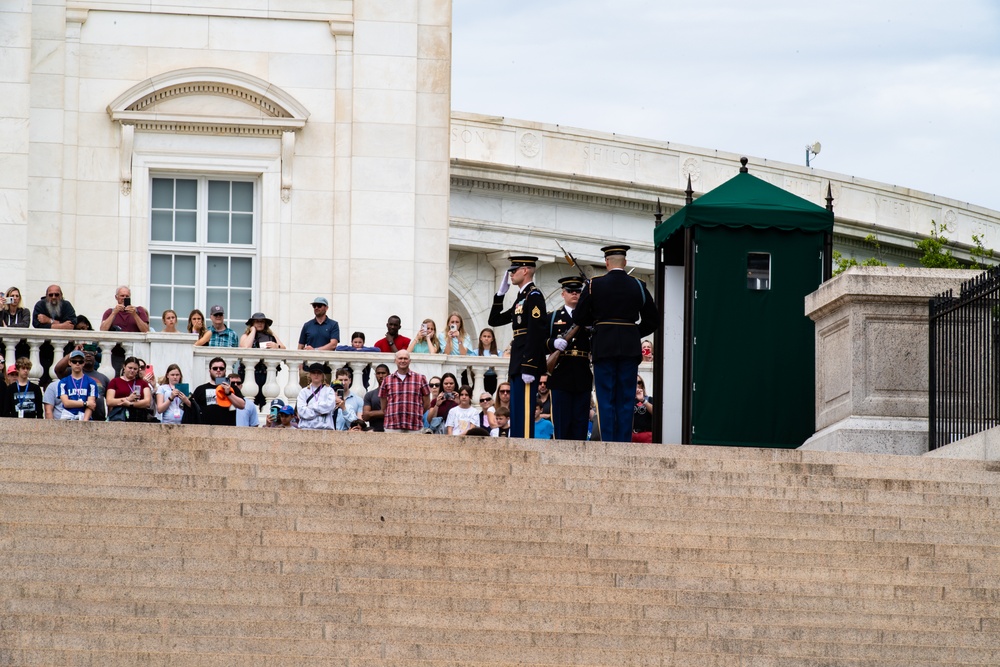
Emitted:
pixel 871 358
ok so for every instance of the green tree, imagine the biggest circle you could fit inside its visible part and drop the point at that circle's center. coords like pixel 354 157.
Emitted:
pixel 936 253
pixel 841 263
pixel 980 254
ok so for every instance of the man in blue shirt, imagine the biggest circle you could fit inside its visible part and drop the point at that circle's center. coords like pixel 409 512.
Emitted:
pixel 219 335
pixel 247 415
pixel 320 333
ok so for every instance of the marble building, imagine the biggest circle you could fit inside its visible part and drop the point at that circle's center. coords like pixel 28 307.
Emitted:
pixel 262 153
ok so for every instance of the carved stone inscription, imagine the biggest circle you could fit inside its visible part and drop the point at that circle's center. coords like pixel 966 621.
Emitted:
pixel 468 136
pixel 611 156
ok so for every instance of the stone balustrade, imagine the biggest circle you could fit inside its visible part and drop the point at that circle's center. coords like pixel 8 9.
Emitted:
pixel 283 366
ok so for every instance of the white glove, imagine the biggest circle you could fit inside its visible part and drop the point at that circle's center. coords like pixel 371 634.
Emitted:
pixel 504 284
pixel 527 379
pixel 560 344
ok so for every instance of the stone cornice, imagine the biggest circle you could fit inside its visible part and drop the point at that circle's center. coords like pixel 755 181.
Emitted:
pixel 339 10
pixel 586 191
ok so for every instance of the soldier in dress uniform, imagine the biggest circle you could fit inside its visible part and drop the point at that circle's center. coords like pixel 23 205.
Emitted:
pixel 527 350
pixel 571 379
pixel 621 310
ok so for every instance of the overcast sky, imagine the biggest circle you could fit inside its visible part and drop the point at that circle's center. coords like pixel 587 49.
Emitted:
pixel 906 92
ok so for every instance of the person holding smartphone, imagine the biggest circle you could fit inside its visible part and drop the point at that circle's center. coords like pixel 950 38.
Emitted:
pixel 171 399
pixel 427 339
pixel 217 400
pixel 349 406
pixel 458 341
pixel 129 396
pixel 124 316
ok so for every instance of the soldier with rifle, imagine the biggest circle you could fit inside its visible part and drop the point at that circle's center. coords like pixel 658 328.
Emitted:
pixel 570 378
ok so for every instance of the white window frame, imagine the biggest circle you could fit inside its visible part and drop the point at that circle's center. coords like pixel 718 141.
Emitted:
pixel 201 249
pixel 194 156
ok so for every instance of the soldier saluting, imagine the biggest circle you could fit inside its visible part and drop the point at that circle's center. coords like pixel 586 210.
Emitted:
pixel 570 378
pixel 621 310
pixel 527 350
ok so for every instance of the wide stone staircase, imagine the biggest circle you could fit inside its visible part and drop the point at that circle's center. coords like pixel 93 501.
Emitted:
pixel 151 545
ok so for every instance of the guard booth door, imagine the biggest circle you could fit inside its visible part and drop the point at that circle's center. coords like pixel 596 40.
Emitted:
pixel 753 361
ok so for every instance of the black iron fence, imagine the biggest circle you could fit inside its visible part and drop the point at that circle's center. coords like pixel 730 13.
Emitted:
pixel 965 360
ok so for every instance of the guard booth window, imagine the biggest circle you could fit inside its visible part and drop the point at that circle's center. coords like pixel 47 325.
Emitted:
pixel 759 270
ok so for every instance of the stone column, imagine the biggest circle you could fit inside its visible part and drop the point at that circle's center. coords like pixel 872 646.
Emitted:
pixel 15 85
pixel 872 358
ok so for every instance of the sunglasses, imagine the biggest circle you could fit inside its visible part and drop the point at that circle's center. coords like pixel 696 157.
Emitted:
pixel 435 384
pixel 542 384
pixel 485 400
pixel 54 294
pixel 219 315
pixel 573 291
pixel 236 384
pixel 78 360
pixel 504 391
pixel 318 305
pixel 218 368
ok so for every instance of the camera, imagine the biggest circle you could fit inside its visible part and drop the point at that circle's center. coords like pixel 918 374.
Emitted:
pixel 127 301
pixel 454 327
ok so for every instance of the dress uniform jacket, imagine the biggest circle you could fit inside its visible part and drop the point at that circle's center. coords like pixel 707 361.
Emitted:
pixel 572 371
pixel 530 323
pixel 612 304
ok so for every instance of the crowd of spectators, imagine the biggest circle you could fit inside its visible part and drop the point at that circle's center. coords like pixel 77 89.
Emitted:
pixel 401 400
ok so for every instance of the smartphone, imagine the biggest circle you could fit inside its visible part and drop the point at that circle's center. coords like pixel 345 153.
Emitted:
pixel 183 388
pixel 274 413
pixel 127 301
pixel 219 381
pixel 423 329
pixel 454 327
pixel 150 372
pixel 340 393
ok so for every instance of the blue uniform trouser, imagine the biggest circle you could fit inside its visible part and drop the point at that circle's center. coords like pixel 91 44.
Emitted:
pixel 615 384
pixel 522 408
pixel 570 414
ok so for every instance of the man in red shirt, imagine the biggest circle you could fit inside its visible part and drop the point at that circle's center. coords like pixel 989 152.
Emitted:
pixel 405 396
pixel 393 342
pixel 124 315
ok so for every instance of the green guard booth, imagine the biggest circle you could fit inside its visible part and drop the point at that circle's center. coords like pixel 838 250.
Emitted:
pixel 751 252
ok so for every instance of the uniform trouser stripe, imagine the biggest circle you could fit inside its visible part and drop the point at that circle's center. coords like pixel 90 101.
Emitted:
pixel 522 407
pixel 529 414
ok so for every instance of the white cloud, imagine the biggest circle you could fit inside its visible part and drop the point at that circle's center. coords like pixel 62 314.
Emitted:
pixel 901 92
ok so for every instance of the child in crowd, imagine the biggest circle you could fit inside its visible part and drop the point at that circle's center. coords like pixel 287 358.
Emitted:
pixel 502 415
pixel 543 427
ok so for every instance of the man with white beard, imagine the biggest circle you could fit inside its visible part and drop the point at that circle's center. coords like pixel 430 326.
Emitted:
pixel 53 312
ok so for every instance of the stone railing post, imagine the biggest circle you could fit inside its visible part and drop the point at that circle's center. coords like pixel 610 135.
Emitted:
pixel 872 359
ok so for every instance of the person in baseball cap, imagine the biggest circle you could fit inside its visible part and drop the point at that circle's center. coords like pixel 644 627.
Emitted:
pixel 219 334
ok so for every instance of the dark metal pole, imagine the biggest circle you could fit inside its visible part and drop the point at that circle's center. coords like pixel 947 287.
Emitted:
pixel 658 356
pixel 828 238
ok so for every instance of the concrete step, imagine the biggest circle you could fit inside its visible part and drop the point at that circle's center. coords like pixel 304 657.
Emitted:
pixel 155 545
pixel 592 455
pixel 665 459
pixel 337 476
